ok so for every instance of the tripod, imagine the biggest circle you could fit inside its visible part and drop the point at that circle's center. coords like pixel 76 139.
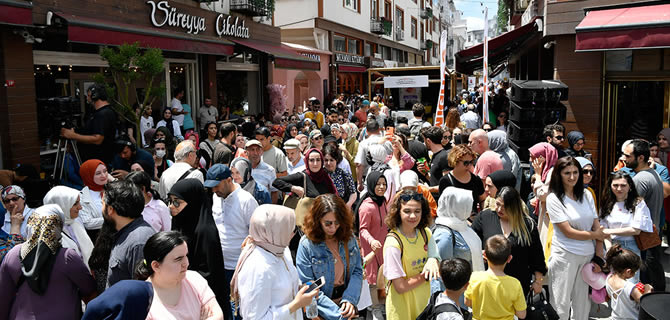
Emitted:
pixel 59 164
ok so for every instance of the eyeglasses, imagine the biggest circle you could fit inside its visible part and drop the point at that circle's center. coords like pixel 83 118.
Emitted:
pixel 446 137
pixel 587 171
pixel 469 163
pixel 175 202
pixel 317 138
pixel 284 119
pixel 340 120
pixel 330 223
pixel 411 196
pixel 8 200
pixel 488 129
pixel 559 137
pixel 579 144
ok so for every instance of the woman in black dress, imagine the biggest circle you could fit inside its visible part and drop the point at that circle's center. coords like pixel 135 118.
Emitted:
pixel 511 219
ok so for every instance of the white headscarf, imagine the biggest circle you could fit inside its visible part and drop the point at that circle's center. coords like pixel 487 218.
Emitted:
pixel 75 236
pixel 453 209
pixel 409 178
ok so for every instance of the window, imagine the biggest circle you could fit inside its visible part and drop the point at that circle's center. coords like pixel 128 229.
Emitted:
pixel 421 31
pixel 413 28
pixel 400 18
pixel 435 51
pixel 340 43
pixel 387 10
pixel 353 46
pixel 374 9
pixel 386 52
pixel 352 4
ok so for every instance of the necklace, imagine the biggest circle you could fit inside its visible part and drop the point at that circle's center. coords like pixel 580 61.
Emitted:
pixel 416 238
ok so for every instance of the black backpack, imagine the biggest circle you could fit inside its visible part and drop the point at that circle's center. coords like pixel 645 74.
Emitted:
pixel 431 311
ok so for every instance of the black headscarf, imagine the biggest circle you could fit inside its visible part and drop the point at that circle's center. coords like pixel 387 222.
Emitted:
pixel 287 132
pixel 503 178
pixel 195 221
pixel 371 182
pixel 168 122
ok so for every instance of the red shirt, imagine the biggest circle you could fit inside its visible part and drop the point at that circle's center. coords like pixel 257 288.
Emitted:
pixel 362 117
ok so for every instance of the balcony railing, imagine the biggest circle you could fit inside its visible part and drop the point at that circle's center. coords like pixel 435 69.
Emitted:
pixel 399 34
pixel 254 8
pixel 381 26
pixel 426 45
pixel 426 13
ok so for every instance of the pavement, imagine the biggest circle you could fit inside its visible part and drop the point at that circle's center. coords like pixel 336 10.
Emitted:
pixel 603 311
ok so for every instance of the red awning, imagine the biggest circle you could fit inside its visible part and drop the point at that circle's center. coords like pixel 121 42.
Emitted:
pixel 344 68
pixel 624 28
pixel 16 12
pixel 500 48
pixel 284 56
pixel 96 31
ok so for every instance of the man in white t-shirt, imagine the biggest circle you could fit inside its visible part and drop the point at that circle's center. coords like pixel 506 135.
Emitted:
pixel 177 109
pixel 261 172
pixel 271 154
pixel 232 208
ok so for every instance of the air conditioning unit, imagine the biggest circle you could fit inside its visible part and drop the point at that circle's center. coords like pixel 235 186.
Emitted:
pixel 399 34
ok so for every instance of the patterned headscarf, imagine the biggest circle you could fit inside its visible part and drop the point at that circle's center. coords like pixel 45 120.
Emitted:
pixel 13 189
pixel 44 229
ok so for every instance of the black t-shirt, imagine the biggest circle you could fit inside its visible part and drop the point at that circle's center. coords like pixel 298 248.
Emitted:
pixel 438 165
pixel 102 122
pixel 475 185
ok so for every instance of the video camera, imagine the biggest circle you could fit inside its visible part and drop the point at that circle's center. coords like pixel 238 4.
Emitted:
pixel 56 113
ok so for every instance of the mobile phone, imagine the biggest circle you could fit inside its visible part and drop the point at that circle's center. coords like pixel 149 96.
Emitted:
pixel 390 131
pixel 318 283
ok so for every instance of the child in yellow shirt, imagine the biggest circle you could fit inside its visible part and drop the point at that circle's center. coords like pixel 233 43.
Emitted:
pixel 492 294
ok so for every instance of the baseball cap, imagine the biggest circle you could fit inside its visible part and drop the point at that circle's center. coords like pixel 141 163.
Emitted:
pixel 253 142
pixel 216 174
pixel 366 102
pixel 291 144
pixel 315 133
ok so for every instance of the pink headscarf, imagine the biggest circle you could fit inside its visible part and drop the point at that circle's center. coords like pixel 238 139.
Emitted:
pixel 550 156
pixel 489 162
pixel 271 228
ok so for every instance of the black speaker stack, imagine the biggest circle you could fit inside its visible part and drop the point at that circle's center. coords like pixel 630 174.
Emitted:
pixel 533 105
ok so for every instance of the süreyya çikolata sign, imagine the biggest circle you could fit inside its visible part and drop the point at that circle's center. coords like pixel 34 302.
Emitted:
pixel 162 14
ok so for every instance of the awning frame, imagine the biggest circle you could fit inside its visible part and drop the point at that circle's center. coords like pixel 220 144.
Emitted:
pixel 284 56
pixel 16 13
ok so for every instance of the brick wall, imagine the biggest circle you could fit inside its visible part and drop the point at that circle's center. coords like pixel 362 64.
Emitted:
pixel 18 110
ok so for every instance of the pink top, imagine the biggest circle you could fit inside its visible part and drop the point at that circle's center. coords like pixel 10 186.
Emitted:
pixel 195 293
pixel 372 227
pixel 157 214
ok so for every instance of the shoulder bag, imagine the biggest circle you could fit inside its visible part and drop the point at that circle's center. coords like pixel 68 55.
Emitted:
pixel 302 205
pixel 648 240
pixel 539 310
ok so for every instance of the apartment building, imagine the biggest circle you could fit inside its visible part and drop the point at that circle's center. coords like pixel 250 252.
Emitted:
pixel 362 34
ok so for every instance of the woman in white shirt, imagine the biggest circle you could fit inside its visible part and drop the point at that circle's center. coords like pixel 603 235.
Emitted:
pixel 171 124
pixel 94 174
pixel 572 212
pixel 146 123
pixel 265 283
pixel 624 214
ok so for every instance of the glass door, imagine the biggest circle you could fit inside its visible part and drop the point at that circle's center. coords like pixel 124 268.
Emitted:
pixel 183 75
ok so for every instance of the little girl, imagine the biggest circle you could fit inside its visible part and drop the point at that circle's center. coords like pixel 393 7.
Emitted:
pixel 624 294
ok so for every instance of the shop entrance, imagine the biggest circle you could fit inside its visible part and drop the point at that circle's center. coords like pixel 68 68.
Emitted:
pixel 349 82
pixel 183 74
pixel 633 110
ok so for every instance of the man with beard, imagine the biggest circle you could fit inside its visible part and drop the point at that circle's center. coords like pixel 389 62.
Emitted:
pixel 650 187
pixel 555 135
pixel 122 206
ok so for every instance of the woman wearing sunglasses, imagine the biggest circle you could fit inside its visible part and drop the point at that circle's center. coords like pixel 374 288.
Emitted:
pixel 462 159
pixel 329 249
pixel 410 256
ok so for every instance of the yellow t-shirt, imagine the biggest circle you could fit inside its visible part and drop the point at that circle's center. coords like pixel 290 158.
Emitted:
pixel 494 297
pixel 414 256
pixel 319 117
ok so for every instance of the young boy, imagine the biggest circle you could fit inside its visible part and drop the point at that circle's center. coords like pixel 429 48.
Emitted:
pixel 491 293
pixel 455 275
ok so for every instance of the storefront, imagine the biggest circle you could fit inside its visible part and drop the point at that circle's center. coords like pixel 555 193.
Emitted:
pixel 350 70
pixel 207 54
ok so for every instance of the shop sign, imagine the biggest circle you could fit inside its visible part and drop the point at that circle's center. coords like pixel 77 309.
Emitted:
pixel 406 82
pixel 373 62
pixel 349 58
pixel 312 56
pixel 163 14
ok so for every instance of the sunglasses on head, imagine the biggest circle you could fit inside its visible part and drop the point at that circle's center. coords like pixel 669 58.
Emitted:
pixel 411 196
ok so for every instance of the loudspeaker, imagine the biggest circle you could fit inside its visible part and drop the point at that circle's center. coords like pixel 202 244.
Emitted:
pixel 522 134
pixel 539 92
pixel 527 113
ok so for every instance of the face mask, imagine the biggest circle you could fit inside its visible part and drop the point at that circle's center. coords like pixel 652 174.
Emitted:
pixel 160 153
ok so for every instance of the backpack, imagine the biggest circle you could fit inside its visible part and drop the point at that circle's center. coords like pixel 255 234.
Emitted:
pixel 415 128
pixel 393 234
pixel 432 311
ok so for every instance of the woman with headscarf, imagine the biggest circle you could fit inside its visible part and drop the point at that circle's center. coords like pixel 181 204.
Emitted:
pixel 510 218
pixel 576 140
pixel 312 182
pixel 291 132
pixel 588 173
pixel 265 282
pixel 378 161
pixel 191 210
pixel 453 235
pixel 74 233
pixel 162 133
pixel 493 183
pixel 344 182
pixel 543 157
pixel 372 212
pixel 349 132
pixel 127 299
pixel 40 273
pixel 498 143
pixel 171 124
pixel 241 173
pixel 94 174
pixel 663 139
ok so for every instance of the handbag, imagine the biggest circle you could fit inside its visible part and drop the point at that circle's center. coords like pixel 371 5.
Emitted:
pixel 301 205
pixel 648 240
pixel 539 310
pixel 291 200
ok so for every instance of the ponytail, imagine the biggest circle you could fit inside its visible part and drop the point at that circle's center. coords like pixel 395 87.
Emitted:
pixel 143 270
pixel 620 259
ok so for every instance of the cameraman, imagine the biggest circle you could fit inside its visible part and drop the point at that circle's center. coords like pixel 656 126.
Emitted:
pixel 96 140
pixel 127 153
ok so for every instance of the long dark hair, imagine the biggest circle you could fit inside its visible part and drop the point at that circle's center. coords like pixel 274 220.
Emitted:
pixel 518 217
pixel 608 199
pixel 142 179
pixel 157 247
pixel 99 260
pixel 556 184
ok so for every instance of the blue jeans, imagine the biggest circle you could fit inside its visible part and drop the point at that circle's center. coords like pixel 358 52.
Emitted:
pixel 229 277
pixel 632 246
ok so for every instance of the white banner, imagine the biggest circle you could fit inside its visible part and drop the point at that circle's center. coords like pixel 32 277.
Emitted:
pixel 406 82
pixel 485 108
pixel 439 112
pixel 472 82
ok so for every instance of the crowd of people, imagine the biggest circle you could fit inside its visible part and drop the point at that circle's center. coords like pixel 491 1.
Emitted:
pixel 388 214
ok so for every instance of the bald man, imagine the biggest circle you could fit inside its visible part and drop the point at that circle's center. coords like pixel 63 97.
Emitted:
pixel 488 161
pixel 185 167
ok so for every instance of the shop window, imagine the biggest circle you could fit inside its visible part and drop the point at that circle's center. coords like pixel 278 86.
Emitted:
pixel 353 46
pixel 340 43
pixel 413 28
